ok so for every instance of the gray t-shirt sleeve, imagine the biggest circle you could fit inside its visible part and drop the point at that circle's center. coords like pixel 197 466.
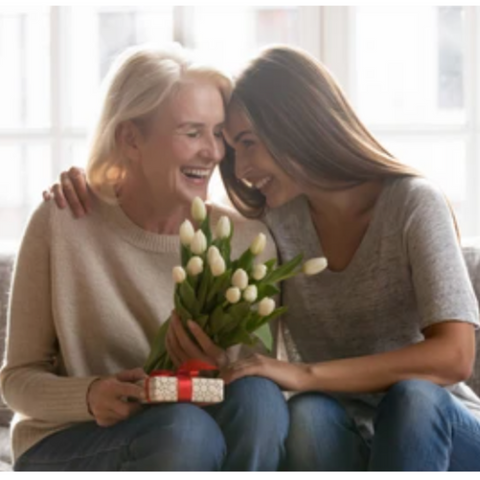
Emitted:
pixel 440 278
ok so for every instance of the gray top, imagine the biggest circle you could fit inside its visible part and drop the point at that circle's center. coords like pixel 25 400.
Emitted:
pixel 408 273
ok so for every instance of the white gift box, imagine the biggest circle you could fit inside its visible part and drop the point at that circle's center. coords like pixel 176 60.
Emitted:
pixel 166 389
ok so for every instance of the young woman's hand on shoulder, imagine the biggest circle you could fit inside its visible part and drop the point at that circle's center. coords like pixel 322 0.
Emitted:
pixel 72 191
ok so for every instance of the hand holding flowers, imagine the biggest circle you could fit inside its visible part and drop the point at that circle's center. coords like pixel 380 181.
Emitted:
pixel 219 301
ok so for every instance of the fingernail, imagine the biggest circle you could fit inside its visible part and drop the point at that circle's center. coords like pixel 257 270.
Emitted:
pixel 191 324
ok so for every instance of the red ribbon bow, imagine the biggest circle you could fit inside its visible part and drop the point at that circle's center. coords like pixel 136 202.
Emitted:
pixel 185 373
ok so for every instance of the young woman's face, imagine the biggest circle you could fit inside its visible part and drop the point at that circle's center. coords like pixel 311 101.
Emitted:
pixel 185 143
pixel 254 164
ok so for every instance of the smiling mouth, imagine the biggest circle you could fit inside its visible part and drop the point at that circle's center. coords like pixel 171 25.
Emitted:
pixel 263 183
pixel 196 173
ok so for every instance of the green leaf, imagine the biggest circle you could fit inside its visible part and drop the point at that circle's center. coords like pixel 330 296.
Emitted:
pixel 252 321
pixel 216 320
pixel 276 313
pixel 246 260
pixel 187 296
pixel 264 334
pixel 204 287
pixel 270 264
pixel 205 228
pixel 285 271
pixel 193 281
pixel 238 336
pixel 202 320
pixel 182 312
pixel 185 255
pixel 157 348
pixel 232 228
pixel 219 286
pixel 239 311
pixel 268 290
pixel 225 250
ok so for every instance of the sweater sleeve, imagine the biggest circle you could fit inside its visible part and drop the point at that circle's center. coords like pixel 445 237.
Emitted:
pixel 28 379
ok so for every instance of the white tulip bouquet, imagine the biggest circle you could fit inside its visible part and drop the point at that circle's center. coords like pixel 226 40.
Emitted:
pixel 231 300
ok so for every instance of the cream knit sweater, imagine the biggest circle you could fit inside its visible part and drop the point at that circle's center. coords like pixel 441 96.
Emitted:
pixel 88 296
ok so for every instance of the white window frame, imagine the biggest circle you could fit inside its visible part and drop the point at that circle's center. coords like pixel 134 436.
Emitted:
pixel 338 53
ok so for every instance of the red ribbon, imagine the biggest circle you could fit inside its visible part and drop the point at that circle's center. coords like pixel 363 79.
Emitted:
pixel 184 374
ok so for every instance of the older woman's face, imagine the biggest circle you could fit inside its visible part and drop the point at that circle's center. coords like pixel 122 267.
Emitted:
pixel 185 143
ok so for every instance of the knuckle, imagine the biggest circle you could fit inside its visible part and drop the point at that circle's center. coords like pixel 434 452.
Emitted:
pixel 258 358
pixel 74 172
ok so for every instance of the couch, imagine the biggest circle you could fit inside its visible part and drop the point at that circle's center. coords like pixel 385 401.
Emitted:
pixel 471 254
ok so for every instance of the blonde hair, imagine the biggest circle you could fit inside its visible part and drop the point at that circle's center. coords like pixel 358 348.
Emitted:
pixel 138 82
pixel 300 113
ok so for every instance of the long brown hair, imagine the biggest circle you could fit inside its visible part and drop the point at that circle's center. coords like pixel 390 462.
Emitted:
pixel 300 113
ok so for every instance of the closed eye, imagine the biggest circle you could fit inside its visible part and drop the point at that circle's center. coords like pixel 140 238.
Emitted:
pixel 195 134
pixel 247 143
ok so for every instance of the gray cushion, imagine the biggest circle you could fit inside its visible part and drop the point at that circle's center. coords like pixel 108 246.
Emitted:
pixel 5 458
pixel 472 259
pixel 5 273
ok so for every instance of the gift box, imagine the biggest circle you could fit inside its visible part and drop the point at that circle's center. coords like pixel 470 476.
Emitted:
pixel 185 385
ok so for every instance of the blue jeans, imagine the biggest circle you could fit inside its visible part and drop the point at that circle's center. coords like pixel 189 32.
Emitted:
pixel 245 432
pixel 419 426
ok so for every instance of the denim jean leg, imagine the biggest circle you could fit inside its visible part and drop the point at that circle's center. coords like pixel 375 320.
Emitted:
pixel 420 426
pixel 170 437
pixel 254 422
pixel 323 437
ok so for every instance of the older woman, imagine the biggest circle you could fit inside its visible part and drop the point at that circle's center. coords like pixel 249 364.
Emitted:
pixel 89 296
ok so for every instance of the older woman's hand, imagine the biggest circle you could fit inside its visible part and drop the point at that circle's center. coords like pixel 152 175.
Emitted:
pixel 181 348
pixel 116 398
pixel 72 191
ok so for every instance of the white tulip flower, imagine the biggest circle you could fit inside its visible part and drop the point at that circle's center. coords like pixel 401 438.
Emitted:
pixel 218 266
pixel 213 253
pixel 178 274
pixel 223 228
pixel 233 294
pixel 314 266
pixel 250 294
pixel 266 307
pixel 199 243
pixel 258 245
pixel 259 271
pixel 199 211
pixel 240 279
pixel 195 266
pixel 186 233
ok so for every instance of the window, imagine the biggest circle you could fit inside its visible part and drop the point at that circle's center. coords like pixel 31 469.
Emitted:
pixel 411 85
pixel 413 74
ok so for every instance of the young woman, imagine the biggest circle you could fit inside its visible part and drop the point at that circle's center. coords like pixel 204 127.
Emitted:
pixel 88 297
pixel 386 334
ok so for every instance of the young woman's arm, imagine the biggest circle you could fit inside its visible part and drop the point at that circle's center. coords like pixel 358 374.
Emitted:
pixel 445 357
